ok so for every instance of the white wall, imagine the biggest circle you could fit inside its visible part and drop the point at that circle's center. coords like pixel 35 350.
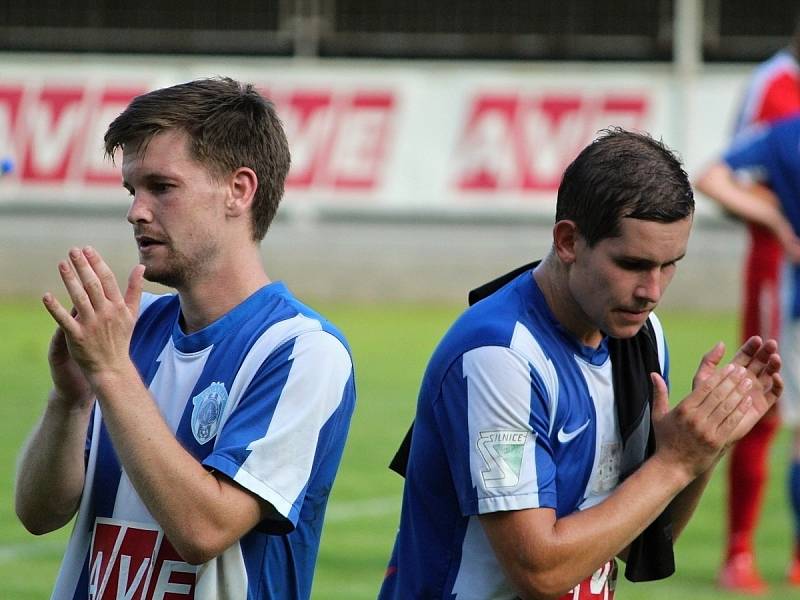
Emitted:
pixel 370 136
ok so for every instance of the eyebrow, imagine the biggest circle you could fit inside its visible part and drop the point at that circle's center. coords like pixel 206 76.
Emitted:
pixel 646 262
pixel 148 179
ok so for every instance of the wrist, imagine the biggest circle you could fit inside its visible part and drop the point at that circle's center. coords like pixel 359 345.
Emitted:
pixel 674 474
pixel 58 401
pixel 118 377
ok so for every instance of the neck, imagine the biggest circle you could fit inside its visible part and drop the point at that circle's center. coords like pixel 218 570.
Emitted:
pixel 211 295
pixel 552 277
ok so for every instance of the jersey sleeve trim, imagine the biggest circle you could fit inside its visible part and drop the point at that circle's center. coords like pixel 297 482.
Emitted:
pixel 255 485
pixel 493 504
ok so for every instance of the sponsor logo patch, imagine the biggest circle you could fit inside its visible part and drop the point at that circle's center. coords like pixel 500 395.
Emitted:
pixel 207 410
pixel 502 452
pixel 598 586
pixel 133 561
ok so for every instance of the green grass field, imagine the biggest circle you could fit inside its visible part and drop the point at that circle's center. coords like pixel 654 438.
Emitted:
pixel 391 344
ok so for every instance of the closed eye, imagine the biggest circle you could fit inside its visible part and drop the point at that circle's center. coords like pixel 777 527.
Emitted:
pixel 635 265
pixel 631 264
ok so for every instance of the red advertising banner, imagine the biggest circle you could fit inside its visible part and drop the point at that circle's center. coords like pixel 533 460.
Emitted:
pixel 339 140
pixel 523 142
pixel 368 137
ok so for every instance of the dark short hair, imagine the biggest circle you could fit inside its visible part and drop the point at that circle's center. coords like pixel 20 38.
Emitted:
pixel 229 125
pixel 623 174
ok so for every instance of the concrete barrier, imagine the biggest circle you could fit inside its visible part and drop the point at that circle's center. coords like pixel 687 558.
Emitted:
pixel 372 260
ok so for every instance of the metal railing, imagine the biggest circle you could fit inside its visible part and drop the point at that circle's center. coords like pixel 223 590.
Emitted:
pixel 511 29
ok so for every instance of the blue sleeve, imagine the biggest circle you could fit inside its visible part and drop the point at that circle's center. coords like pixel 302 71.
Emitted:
pixel 752 151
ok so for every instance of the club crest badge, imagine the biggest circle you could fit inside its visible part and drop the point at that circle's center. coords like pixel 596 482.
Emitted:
pixel 207 410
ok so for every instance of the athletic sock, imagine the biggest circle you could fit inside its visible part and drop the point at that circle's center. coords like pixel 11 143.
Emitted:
pixel 794 496
pixel 747 478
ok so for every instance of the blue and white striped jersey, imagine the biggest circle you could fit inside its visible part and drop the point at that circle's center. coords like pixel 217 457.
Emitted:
pixel 264 395
pixel 513 413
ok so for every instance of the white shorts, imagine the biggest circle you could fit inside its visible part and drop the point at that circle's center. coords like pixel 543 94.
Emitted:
pixel 789 402
pixel 789 349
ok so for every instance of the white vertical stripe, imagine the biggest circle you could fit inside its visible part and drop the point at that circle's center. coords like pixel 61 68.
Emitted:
pixel 81 538
pixel 480 576
pixel 265 345
pixel 608 440
pixel 498 409
pixel 175 379
pixel 223 577
pixel 147 299
pixel 280 463
pixel 528 346
pixel 171 389
pixel 789 406
pixel 661 344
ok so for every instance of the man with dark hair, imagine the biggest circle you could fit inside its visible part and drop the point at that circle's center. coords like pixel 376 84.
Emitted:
pixel 196 435
pixel 543 444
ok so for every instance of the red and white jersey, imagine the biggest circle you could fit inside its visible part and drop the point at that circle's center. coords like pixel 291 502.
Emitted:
pixel 772 93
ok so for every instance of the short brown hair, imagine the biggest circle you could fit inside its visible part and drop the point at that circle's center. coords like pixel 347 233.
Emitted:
pixel 229 124
pixel 623 174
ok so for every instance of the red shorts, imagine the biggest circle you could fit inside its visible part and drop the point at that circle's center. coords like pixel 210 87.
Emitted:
pixel 762 306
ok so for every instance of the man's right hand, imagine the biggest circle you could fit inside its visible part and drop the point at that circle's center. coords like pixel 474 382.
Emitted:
pixel 70 388
pixel 723 406
pixel 694 435
pixel 763 364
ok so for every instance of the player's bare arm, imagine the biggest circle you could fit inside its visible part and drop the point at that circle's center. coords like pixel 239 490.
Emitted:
pixel 51 472
pixel 761 207
pixel 545 556
pixel 201 513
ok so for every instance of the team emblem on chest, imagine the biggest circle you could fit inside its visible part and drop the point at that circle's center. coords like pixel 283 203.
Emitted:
pixel 207 411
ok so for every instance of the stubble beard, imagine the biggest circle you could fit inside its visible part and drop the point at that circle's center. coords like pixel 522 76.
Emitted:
pixel 178 270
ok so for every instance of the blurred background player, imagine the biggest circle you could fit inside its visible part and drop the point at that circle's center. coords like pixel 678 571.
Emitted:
pixel 773 154
pixel 773 92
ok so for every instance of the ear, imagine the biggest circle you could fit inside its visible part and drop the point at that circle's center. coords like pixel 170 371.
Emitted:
pixel 242 188
pixel 565 240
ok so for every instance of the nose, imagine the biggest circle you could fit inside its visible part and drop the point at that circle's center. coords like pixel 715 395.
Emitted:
pixel 139 211
pixel 650 286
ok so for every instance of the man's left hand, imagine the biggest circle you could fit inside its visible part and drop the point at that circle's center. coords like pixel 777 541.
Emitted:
pixel 763 364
